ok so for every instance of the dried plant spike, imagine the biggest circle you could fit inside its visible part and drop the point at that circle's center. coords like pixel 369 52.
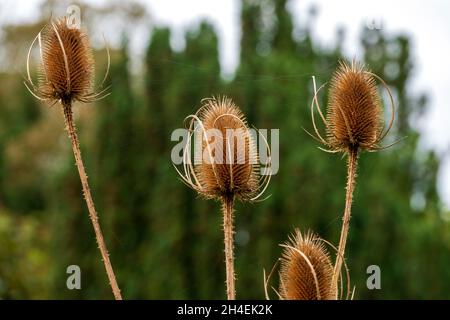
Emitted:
pixel 227 173
pixel 354 123
pixel 226 176
pixel 306 271
pixel 230 167
pixel 354 112
pixel 66 75
pixel 227 168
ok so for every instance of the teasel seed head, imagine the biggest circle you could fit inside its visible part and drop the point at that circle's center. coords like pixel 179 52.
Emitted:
pixel 306 270
pixel 354 110
pixel 66 73
pixel 354 118
pixel 228 164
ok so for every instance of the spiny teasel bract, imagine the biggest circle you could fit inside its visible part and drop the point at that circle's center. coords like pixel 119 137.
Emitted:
pixel 66 73
pixel 306 270
pixel 226 172
pixel 354 117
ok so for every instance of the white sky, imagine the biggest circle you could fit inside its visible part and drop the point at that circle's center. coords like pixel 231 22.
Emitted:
pixel 427 22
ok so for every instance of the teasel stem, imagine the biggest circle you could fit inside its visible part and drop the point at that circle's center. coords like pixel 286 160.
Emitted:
pixel 227 208
pixel 351 179
pixel 71 130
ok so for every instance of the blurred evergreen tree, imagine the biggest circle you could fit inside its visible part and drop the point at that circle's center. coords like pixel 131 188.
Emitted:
pixel 119 199
pixel 23 111
pixel 162 204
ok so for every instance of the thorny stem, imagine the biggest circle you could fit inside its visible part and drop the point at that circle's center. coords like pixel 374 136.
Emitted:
pixel 227 208
pixel 71 130
pixel 351 175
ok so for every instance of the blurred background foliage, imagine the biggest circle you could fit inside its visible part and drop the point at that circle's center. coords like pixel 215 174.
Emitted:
pixel 165 242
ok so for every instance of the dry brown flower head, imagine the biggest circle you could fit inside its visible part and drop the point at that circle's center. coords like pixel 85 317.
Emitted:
pixel 306 270
pixel 354 117
pixel 228 165
pixel 66 73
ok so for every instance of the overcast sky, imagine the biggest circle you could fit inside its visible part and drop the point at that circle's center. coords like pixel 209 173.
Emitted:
pixel 427 22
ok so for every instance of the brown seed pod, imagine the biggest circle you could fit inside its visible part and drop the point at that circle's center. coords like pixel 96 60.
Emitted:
pixel 66 73
pixel 354 111
pixel 306 270
pixel 228 164
pixel 354 117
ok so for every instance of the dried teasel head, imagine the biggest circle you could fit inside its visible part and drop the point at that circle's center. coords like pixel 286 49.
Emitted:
pixel 226 162
pixel 306 270
pixel 354 118
pixel 66 73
